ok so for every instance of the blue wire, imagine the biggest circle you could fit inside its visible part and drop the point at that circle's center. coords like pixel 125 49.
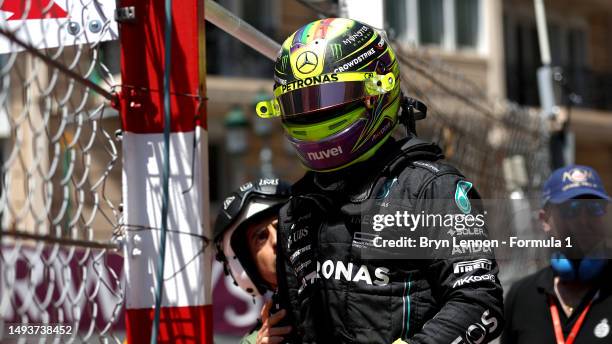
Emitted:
pixel 165 173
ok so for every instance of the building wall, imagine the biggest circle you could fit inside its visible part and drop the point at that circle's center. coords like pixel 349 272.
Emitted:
pixel 599 156
pixel 594 15
pixel 600 40
pixel 481 64
pixel 592 128
pixel 594 141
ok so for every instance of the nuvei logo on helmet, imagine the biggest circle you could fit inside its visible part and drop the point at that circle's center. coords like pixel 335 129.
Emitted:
pixel 324 154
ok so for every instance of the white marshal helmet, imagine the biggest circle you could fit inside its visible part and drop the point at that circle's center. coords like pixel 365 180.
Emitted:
pixel 252 202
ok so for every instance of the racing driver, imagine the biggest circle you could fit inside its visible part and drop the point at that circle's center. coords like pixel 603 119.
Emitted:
pixel 337 92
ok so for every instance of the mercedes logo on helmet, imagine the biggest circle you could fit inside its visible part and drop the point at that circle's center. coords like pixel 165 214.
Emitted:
pixel 306 62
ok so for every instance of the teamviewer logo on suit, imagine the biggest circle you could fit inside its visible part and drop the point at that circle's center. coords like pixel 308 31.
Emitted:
pixel 363 240
pixel 471 265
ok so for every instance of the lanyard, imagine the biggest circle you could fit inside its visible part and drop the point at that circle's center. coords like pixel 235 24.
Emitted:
pixel 554 312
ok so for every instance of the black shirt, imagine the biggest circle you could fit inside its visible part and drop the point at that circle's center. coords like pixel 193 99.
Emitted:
pixel 528 318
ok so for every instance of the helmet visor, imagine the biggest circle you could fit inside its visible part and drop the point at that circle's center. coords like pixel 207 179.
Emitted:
pixel 325 91
pixel 320 97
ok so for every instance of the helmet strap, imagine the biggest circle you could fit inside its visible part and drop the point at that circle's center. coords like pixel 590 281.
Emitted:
pixel 412 111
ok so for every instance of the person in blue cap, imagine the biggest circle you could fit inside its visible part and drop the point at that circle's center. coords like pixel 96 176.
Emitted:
pixel 569 301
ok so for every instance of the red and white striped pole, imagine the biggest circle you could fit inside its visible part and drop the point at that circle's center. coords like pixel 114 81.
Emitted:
pixel 186 313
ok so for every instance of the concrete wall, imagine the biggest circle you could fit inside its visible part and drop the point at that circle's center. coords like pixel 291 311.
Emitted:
pixel 597 155
pixel 593 131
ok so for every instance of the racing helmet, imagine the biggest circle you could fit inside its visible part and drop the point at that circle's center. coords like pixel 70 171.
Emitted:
pixel 252 202
pixel 337 91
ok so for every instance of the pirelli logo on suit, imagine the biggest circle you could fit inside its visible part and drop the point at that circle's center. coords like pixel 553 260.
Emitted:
pixel 471 265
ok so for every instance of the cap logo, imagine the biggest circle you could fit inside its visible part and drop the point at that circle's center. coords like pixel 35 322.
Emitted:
pixel 228 201
pixel 577 175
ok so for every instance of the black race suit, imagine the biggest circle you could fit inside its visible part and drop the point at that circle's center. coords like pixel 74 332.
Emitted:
pixel 336 295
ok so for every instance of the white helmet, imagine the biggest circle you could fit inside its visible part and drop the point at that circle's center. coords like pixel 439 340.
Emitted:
pixel 252 202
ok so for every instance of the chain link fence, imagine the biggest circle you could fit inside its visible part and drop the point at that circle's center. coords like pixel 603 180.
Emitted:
pixel 60 172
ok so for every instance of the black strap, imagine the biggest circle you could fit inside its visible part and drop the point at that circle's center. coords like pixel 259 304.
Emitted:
pixel 412 111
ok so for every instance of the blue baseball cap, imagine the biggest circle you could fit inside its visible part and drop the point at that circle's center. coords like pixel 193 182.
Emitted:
pixel 572 181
